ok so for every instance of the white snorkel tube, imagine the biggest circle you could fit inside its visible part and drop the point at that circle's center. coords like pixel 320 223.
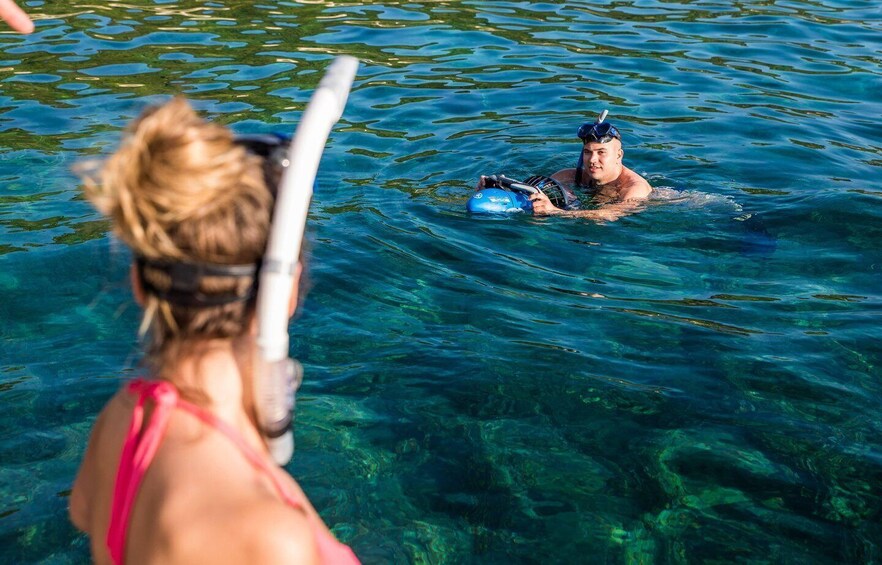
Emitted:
pixel 276 376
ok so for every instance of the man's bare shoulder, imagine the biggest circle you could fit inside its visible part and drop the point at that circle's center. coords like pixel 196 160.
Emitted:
pixel 633 186
pixel 566 176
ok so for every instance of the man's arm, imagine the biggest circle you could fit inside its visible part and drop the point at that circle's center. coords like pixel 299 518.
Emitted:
pixel 606 213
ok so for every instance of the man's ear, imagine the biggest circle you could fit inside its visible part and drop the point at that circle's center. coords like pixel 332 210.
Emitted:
pixel 137 287
pixel 295 289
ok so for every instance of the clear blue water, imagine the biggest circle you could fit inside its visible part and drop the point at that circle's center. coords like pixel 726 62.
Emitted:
pixel 699 382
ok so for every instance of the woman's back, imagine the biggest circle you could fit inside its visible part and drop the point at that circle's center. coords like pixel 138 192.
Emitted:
pixel 198 482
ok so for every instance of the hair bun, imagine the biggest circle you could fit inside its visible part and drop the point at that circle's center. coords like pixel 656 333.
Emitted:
pixel 175 169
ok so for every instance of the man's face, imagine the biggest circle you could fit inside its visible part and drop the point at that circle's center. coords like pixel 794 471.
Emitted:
pixel 603 161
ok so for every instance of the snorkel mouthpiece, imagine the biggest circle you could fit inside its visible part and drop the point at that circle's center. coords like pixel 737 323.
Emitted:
pixel 278 407
pixel 277 377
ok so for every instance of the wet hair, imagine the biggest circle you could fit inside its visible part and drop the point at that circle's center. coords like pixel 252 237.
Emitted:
pixel 179 189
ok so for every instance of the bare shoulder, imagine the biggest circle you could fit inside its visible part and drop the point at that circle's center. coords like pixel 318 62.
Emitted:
pixel 266 532
pixel 102 453
pixel 566 176
pixel 635 186
pixel 285 535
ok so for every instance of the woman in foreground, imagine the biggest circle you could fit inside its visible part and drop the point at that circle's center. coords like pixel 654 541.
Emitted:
pixel 176 470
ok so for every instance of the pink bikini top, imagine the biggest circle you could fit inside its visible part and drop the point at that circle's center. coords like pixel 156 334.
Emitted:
pixel 140 447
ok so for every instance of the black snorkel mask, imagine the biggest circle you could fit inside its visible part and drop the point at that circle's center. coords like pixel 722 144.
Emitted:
pixel 598 131
pixel 594 132
pixel 273 148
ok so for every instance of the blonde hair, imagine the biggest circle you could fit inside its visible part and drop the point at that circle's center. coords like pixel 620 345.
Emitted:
pixel 180 189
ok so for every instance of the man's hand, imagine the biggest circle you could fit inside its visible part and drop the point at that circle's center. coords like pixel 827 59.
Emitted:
pixel 15 17
pixel 482 182
pixel 542 206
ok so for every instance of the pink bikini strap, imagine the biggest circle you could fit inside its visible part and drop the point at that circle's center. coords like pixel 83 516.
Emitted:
pixel 141 445
pixel 137 453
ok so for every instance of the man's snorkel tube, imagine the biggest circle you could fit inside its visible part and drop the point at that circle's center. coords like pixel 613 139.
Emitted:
pixel 276 376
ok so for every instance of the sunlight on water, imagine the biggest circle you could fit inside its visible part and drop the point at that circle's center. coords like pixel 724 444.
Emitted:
pixel 696 382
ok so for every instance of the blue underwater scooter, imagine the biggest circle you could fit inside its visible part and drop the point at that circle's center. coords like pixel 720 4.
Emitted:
pixel 503 195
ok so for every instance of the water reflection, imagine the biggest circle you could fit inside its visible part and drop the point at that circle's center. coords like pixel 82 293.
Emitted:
pixel 487 390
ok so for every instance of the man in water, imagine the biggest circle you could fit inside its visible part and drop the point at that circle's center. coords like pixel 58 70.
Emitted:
pixel 617 190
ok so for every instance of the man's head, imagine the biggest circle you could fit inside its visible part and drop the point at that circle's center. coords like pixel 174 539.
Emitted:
pixel 601 151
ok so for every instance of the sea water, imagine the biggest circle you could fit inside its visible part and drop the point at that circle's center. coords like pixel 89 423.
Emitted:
pixel 696 382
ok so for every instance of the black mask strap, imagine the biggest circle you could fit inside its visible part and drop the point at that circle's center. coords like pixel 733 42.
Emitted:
pixel 580 166
pixel 186 277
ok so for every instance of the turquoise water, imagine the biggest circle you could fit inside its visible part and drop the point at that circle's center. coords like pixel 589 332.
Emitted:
pixel 699 382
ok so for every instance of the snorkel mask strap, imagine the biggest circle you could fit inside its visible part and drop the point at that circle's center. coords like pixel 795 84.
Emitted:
pixel 186 279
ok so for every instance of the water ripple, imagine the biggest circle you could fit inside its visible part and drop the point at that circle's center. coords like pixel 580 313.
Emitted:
pixel 489 388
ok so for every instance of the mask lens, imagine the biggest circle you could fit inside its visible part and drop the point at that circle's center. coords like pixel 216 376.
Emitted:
pixel 595 132
pixel 263 145
pixel 273 149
